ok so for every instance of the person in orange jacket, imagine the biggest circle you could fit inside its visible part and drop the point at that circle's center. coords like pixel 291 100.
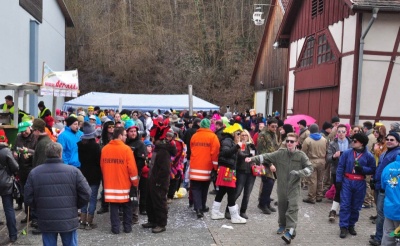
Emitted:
pixel 204 147
pixel 119 174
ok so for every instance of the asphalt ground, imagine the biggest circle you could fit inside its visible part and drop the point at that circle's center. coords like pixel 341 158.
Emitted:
pixel 185 229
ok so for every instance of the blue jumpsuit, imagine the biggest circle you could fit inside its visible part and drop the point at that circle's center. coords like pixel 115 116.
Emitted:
pixel 353 191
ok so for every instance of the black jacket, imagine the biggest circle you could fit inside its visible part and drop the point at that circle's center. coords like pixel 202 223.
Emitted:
pixel 139 152
pixel 228 152
pixel 89 156
pixel 242 166
pixel 160 168
pixel 56 191
pixel 187 137
pixel 8 166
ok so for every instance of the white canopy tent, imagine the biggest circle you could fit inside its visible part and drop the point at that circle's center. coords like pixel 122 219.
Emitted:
pixel 144 102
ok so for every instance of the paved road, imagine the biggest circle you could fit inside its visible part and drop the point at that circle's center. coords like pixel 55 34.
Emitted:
pixel 185 229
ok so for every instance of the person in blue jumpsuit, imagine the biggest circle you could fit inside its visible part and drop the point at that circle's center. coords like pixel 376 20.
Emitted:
pixel 353 165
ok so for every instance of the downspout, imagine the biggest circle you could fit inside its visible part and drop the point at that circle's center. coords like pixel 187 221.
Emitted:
pixel 360 64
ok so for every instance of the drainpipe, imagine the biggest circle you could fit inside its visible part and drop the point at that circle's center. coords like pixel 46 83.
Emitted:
pixel 360 64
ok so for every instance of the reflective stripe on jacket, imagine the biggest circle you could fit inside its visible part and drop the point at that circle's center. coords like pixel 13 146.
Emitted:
pixel 204 147
pixel 119 171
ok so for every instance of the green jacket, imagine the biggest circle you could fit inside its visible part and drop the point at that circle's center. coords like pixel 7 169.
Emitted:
pixel 267 143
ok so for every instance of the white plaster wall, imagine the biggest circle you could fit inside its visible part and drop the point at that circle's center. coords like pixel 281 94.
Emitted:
pixel 392 100
pixel 290 97
pixel 293 55
pixel 336 32
pixel 373 78
pixel 382 35
pixel 346 84
pixel 14 43
pixel 349 33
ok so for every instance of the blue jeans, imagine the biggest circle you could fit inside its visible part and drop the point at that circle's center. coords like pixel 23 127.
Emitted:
pixel 92 201
pixel 245 183
pixel 267 186
pixel 67 238
pixel 10 216
pixel 381 217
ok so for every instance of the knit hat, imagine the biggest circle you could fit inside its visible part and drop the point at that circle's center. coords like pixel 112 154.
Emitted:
pixel 234 128
pixel 335 119
pixel 88 131
pixel 205 123
pixel 41 104
pixel 147 142
pixel 170 133
pixel 396 126
pixel 361 137
pixel 23 126
pixel 70 120
pixel 70 109
pixel 128 124
pixel 326 125
pixel 3 137
pixel 395 135
pixel 90 108
pixel 314 128
pixel 302 122
pixel 38 124
pixel 92 117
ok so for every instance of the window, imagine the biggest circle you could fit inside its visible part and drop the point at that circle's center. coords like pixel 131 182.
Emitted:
pixel 317 7
pixel 308 54
pixel 324 50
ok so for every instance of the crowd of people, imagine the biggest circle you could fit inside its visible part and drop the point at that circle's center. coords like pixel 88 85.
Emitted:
pixel 138 161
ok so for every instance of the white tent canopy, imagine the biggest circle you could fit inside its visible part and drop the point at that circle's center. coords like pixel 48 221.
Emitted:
pixel 144 102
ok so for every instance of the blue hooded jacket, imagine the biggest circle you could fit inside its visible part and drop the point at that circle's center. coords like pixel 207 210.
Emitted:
pixel 390 178
pixel 385 158
pixel 69 141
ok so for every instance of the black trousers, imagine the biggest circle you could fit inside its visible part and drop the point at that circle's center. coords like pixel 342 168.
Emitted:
pixel 142 193
pixel 127 216
pixel 173 187
pixel 156 204
pixel 222 190
pixel 199 191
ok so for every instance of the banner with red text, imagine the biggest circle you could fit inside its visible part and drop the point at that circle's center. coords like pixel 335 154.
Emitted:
pixel 62 83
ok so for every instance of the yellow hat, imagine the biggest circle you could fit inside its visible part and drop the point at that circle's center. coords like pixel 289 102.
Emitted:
pixel 90 108
pixel 234 128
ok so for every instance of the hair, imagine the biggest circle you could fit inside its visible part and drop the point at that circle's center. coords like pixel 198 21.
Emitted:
pixel 53 150
pixel 368 125
pixel 10 98
pixel 248 135
pixel 219 123
pixel 104 132
pixel 382 133
pixel 271 121
pixel 292 134
pixel 118 131
pixel 342 126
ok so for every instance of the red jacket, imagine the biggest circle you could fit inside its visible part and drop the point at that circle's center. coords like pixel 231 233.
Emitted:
pixel 204 147
pixel 119 171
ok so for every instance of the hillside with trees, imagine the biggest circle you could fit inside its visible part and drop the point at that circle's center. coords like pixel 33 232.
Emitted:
pixel 162 46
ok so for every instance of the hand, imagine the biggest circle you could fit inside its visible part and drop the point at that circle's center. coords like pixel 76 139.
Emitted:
pixel 272 168
pixel 294 172
pixel 338 186
pixel 247 159
pixel 358 169
pixel 337 154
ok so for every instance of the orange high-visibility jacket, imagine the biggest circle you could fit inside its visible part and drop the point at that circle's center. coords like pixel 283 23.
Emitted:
pixel 119 171
pixel 204 147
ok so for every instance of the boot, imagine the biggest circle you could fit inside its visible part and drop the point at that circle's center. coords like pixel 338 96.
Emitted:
pixel 272 209
pixel 83 221
pixel 89 224
pixel 215 213
pixel 235 217
pixel 243 214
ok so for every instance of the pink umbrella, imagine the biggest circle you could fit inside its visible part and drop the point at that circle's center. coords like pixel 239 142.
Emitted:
pixel 293 119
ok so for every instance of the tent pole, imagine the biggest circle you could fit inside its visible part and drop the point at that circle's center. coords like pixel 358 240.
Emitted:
pixel 190 100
